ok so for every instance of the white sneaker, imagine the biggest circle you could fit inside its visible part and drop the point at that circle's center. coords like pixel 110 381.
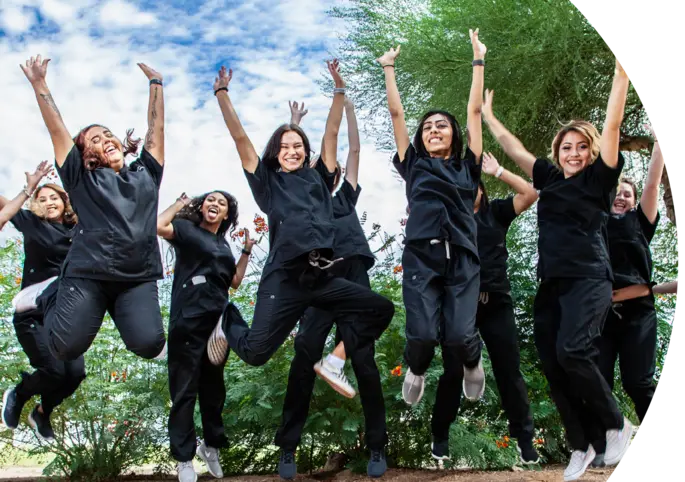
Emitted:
pixel 211 458
pixel 186 472
pixel 335 378
pixel 618 442
pixel 578 464
pixel 474 382
pixel 217 346
pixel 25 300
pixel 412 388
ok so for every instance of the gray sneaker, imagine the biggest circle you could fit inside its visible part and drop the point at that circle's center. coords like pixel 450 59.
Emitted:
pixel 474 382
pixel 412 388
pixel 210 456
pixel 335 378
pixel 578 464
pixel 618 442
pixel 186 472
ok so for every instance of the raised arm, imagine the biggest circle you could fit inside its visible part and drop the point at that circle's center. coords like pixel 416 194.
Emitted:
pixel 241 265
pixel 35 70
pixel 246 151
pixel 525 195
pixel 352 166
pixel 154 139
pixel 399 124
pixel 650 191
pixel 608 144
pixel 164 227
pixel 13 206
pixel 329 146
pixel 297 112
pixel 510 144
pixel 475 107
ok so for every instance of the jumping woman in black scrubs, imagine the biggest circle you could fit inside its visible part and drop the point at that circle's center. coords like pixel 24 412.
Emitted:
pixel 297 200
pixel 47 229
pixel 114 261
pixel 629 333
pixel 495 318
pixel 574 295
pixel 440 259
pixel 203 273
pixel 315 325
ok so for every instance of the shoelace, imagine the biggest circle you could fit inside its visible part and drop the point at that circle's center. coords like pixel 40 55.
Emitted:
pixel 315 258
pixel 185 465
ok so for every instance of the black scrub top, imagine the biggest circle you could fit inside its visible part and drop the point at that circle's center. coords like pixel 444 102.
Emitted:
pixel 116 239
pixel 572 219
pixel 629 237
pixel 46 245
pixel 441 195
pixel 203 271
pixel 350 240
pixel 493 220
pixel 299 208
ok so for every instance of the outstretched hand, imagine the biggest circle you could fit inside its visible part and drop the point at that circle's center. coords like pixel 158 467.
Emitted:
pixel 32 180
pixel 150 73
pixel 489 164
pixel 334 69
pixel 479 48
pixel 297 112
pixel 388 58
pixel 223 79
pixel 35 69
pixel 248 242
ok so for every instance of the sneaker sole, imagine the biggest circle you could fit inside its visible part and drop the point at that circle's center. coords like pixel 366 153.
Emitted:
pixel 472 399
pixel 523 461
pixel 624 449
pixel 4 404
pixel 439 457
pixel 418 399
pixel 323 374
pixel 34 426
pixel 201 454
pixel 217 346
pixel 20 303
pixel 580 473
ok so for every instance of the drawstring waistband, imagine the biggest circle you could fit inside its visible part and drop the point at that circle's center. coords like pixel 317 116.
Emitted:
pixel 315 258
pixel 484 297
pixel 614 308
pixel 447 246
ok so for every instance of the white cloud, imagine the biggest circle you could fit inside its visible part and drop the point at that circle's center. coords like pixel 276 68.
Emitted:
pixel 95 79
pixel 16 20
pixel 118 13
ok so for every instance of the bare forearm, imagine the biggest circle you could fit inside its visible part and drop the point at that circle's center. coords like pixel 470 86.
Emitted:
pixel 352 167
pixel 240 269
pixel 246 151
pixel 59 134
pixel 614 117
pixel 154 139
pixel 666 288
pixel 330 137
pixel 399 124
pixel 165 218
pixel 512 147
pixel 474 112
pixel 12 207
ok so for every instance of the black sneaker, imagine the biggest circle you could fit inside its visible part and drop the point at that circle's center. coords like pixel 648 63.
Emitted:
pixel 287 468
pixel 11 409
pixel 377 464
pixel 41 424
pixel 598 462
pixel 527 452
pixel 440 450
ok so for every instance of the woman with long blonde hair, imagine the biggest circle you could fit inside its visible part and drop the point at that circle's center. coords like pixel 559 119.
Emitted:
pixel 47 229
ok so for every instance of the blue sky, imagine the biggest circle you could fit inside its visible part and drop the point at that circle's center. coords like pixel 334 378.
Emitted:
pixel 277 51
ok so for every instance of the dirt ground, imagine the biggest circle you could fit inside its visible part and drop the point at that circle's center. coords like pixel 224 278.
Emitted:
pixel 544 474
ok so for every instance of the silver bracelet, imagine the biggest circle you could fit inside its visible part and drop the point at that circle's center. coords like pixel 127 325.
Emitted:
pixel 499 172
pixel 339 90
pixel 26 191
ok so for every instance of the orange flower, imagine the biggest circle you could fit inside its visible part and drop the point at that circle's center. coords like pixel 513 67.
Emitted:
pixel 397 269
pixel 17 280
pixel 397 371
pixel 506 439
pixel 251 303
pixel 114 374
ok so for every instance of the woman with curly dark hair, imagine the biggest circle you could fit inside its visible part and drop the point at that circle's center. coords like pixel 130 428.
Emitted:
pixel 47 230
pixel 114 261
pixel 203 273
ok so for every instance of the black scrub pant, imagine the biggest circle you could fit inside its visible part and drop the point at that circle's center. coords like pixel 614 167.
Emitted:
pixel 53 380
pixel 192 376
pixel 630 335
pixel 441 299
pixel 497 325
pixel 74 314
pixel 315 326
pixel 283 296
pixel 569 315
